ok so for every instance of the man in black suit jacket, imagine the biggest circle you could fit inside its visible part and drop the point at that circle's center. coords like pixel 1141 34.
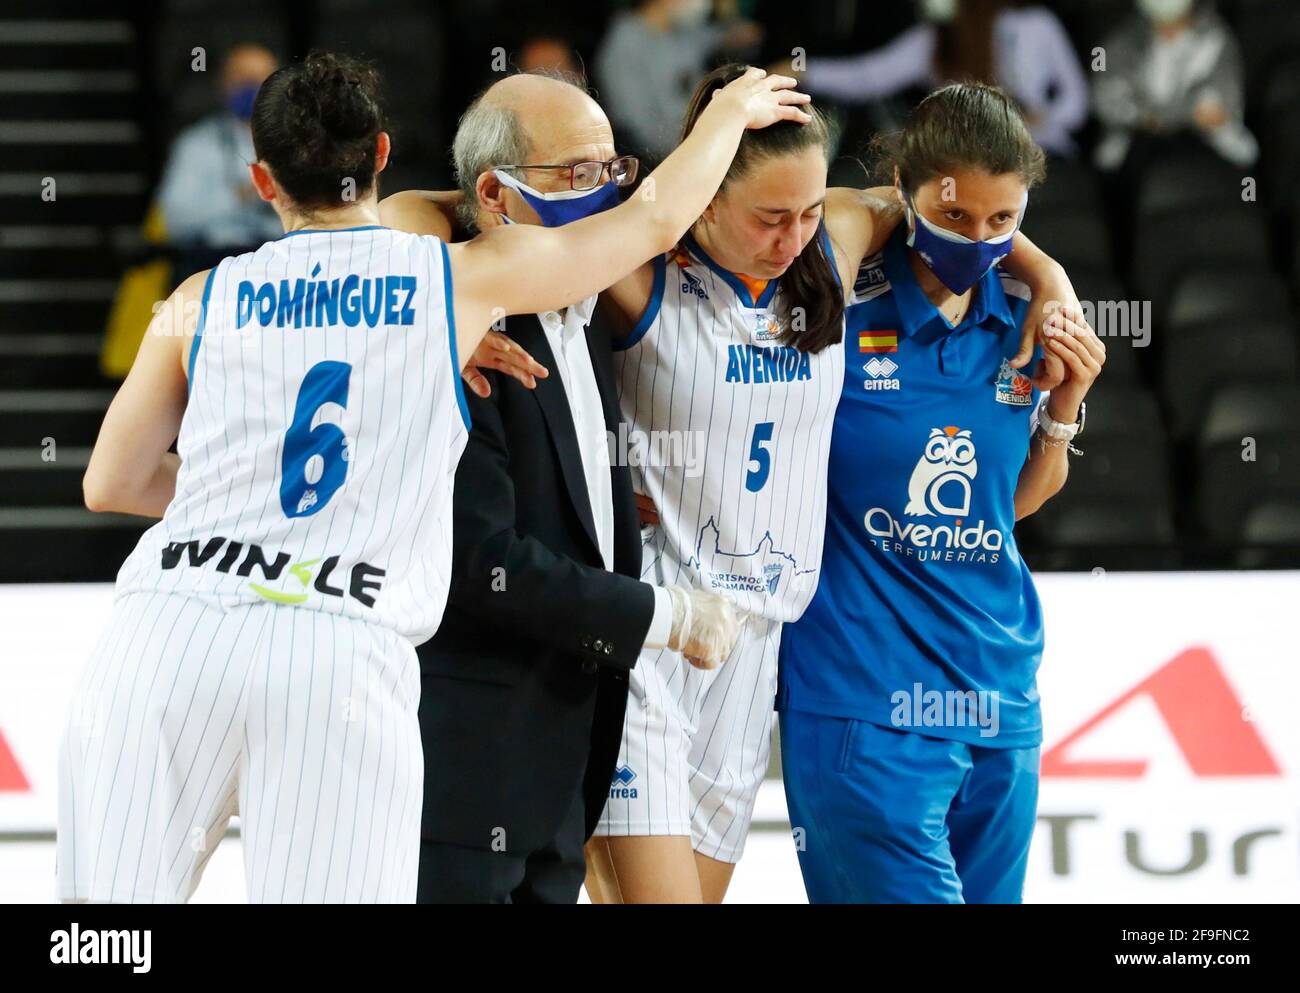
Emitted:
pixel 524 685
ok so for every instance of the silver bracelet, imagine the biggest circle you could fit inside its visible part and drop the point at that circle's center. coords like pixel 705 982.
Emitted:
pixel 1045 442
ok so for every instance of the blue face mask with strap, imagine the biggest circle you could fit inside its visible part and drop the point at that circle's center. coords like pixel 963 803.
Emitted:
pixel 958 262
pixel 555 209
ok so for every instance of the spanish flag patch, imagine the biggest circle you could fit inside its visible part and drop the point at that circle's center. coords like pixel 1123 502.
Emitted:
pixel 877 341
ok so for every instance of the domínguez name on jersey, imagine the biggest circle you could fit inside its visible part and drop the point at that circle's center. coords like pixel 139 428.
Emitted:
pixel 354 299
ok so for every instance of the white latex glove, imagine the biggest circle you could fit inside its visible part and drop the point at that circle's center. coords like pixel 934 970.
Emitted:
pixel 705 626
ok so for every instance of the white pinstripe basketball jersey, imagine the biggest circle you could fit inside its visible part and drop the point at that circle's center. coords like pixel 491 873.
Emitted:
pixel 729 434
pixel 324 424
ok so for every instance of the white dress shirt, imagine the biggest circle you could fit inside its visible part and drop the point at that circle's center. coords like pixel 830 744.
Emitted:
pixel 567 335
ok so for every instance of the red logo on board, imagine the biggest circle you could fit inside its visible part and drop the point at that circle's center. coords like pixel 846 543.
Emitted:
pixel 1204 716
pixel 12 779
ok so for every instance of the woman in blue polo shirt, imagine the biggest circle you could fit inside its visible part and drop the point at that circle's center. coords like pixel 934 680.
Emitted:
pixel 910 724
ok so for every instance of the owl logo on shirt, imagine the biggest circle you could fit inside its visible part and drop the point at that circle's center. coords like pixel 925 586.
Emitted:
pixel 940 483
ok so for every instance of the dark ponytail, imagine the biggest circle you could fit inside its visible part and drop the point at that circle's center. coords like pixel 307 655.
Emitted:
pixel 960 127
pixel 315 124
pixel 811 299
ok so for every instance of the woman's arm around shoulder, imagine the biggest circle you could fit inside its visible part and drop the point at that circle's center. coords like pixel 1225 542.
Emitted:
pixel 422 212
pixel 859 223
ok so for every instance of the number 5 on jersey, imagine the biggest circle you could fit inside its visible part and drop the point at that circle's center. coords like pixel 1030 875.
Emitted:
pixel 315 460
pixel 755 479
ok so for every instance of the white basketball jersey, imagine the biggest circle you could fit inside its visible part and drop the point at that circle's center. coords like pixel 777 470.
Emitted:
pixel 729 435
pixel 320 442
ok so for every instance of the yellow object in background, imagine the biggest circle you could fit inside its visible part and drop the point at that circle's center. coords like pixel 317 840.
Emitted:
pixel 140 288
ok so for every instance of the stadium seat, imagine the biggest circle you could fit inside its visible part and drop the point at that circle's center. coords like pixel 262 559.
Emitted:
pixel 1112 524
pixel 1295 256
pixel 1196 360
pixel 1168 245
pixel 1228 485
pixel 1281 155
pixel 1103 536
pixel 1131 471
pixel 1268 32
pixel 1119 410
pixel 1219 293
pixel 1123 474
pixel 1069 184
pixel 1248 451
pixel 1270 535
pixel 1074 236
pixel 1187 179
pixel 1251 409
pixel 1282 90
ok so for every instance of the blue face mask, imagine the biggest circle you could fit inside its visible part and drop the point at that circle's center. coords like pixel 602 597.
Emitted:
pixel 239 101
pixel 958 262
pixel 555 209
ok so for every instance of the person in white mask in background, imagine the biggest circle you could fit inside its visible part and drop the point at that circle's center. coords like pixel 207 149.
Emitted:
pixel 1024 50
pixel 1173 67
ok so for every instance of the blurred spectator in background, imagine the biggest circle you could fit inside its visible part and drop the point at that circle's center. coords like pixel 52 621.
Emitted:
pixel 548 53
pixel 1024 51
pixel 649 61
pixel 1173 69
pixel 208 202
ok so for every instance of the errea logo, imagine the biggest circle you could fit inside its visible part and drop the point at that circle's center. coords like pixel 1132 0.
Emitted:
pixel 881 371
pixel 692 285
pixel 621 788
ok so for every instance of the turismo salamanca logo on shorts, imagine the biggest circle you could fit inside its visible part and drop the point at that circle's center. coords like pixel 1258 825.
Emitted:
pixel 1011 387
pixel 940 486
pixel 621 787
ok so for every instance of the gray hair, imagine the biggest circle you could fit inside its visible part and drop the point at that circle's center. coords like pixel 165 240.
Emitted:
pixel 487 136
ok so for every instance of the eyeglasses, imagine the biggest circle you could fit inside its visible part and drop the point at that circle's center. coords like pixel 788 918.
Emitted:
pixel 585 176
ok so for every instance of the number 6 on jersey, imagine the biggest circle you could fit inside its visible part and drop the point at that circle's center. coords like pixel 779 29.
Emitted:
pixel 315 462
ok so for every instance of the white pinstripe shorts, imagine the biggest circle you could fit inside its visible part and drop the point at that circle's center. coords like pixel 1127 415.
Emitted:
pixel 696 745
pixel 300 722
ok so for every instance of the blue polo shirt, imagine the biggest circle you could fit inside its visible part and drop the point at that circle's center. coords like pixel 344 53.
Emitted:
pixel 925 617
